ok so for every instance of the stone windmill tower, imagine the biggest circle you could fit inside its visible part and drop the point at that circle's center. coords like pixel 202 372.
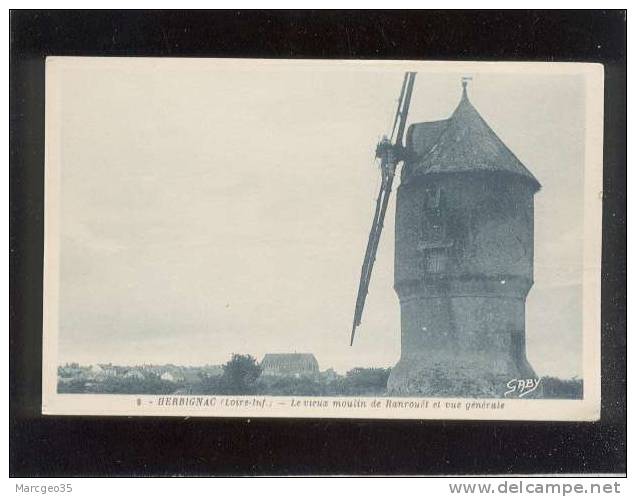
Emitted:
pixel 464 239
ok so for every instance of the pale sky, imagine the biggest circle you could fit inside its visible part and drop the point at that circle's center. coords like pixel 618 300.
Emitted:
pixel 209 208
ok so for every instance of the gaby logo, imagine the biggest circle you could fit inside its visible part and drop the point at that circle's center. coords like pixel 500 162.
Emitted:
pixel 522 387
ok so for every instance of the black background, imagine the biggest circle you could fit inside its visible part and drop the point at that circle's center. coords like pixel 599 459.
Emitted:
pixel 93 446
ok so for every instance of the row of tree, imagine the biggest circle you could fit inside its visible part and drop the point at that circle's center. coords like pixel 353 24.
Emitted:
pixel 241 376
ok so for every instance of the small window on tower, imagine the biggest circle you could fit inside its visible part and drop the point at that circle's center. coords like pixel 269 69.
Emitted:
pixel 433 198
pixel 433 222
pixel 436 261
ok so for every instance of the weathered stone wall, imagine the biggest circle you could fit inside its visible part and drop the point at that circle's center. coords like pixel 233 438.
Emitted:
pixel 487 217
pixel 463 269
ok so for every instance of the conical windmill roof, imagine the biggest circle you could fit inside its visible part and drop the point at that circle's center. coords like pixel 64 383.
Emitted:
pixel 462 143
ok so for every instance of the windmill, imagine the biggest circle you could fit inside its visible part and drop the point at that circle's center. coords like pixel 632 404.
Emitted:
pixel 464 253
pixel 389 152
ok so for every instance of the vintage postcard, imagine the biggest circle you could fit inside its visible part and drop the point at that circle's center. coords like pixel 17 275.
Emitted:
pixel 342 239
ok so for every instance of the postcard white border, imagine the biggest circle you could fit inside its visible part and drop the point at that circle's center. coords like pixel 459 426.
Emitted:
pixel 587 409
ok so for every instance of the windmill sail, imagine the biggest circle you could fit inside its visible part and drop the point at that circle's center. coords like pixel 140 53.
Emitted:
pixel 389 153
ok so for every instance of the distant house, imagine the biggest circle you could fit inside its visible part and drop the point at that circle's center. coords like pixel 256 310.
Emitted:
pixel 167 376
pixel 330 375
pixel 107 369
pixel 133 373
pixel 97 369
pixel 291 364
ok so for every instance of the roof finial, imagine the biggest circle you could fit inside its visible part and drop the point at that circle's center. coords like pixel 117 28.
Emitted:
pixel 465 80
